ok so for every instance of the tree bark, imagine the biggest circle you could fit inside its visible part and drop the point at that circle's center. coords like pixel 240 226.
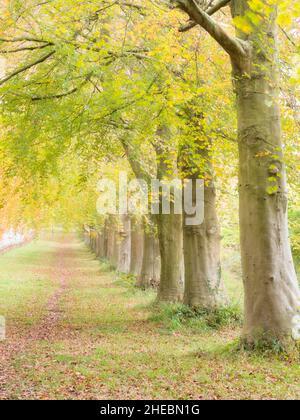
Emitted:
pixel 112 245
pixel 201 243
pixel 86 235
pixel 124 245
pixel 137 244
pixel 101 243
pixel 170 245
pixel 105 239
pixel 170 236
pixel 97 244
pixel 116 248
pixel 150 270
pixel 93 239
pixel 169 226
pixel 271 287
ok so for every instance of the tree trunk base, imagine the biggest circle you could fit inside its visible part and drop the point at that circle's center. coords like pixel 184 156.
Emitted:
pixel 271 344
pixel 169 297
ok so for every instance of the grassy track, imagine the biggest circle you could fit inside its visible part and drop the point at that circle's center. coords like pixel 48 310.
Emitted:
pixel 76 330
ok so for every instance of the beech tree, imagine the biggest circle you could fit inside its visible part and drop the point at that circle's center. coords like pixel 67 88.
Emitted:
pixel 271 287
pixel 202 242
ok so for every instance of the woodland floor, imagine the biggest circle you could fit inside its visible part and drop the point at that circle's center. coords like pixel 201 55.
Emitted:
pixel 76 330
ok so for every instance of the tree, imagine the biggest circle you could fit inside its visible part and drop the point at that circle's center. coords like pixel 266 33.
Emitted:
pixel 271 288
pixel 202 242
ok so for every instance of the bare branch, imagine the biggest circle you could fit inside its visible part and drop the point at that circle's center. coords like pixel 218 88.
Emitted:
pixel 27 67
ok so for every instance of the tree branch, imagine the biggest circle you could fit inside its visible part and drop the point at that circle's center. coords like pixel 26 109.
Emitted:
pixel 38 47
pixel 58 96
pixel 64 94
pixel 27 67
pixel 121 4
pixel 210 11
pixel 23 39
pixel 233 46
pixel 139 171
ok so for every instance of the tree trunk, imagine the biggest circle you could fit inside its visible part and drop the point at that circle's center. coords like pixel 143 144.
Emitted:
pixel 93 239
pixel 271 287
pixel 124 245
pixel 105 240
pixel 169 227
pixel 86 235
pixel 170 245
pixel 111 244
pixel 97 243
pixel 100 244
pixel 201 243
pixel 150 270
pixel 137 245
pixel 116 248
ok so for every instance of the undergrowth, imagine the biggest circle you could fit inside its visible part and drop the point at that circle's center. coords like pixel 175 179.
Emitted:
pixel 177 316
pixel 106 266
pixel 267 347
pixel 127 281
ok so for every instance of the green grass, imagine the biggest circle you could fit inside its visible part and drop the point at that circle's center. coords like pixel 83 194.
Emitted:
pixel 112 342
pixel 24 283
pixel 182 318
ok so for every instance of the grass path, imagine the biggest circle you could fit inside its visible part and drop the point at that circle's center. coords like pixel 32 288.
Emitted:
pixel 77 331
